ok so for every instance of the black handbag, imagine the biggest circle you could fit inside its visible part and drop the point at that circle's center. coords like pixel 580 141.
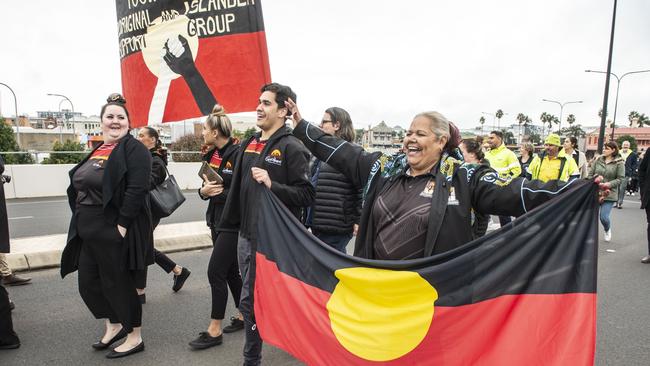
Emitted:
pixel 166 197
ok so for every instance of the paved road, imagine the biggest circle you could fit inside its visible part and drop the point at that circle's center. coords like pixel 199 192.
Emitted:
pixel 45 216
pixel 57 329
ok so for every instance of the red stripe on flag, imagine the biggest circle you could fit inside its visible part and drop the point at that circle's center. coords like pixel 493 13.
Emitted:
pixel 556 329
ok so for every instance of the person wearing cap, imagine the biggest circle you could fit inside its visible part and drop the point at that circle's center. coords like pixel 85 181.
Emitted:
pixel 553 163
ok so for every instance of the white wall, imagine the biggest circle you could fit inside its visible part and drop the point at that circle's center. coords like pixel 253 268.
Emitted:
pixel 38 180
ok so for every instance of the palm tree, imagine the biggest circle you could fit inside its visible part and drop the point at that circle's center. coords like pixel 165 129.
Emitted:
pixel 641 118
pixel 482 122
pixel 554 120
pixel 544 118
pixel 521 118
pixel 571 119
pixel 499 114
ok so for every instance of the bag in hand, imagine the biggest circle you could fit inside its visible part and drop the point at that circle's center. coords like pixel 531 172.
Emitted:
pixel 166 197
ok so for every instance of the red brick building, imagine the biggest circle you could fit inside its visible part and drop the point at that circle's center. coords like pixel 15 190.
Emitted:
pixel 641 134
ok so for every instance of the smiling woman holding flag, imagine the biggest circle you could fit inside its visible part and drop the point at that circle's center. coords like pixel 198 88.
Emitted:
pixel 426 208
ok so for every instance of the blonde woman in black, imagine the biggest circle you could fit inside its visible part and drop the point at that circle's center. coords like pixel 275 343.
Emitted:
pixel 223 270
pixel 110 235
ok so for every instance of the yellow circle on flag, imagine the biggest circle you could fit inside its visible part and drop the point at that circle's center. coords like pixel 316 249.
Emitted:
pixel 378 314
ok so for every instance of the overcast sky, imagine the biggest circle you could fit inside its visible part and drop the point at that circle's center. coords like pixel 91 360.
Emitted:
pixel 380 60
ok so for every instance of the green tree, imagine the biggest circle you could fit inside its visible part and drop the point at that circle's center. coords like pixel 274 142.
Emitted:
pixel 249 132
pixel 643 119
pixel 629 138
pixel 571 119
pixel 187 148
pixel 549 119
pixel 238 134
pixel 575 131
pixel 8 143
pixel 521 119
pixel 499 114
pixel 482 122
pixel 508 137
pixel 535 138
pixel 66 157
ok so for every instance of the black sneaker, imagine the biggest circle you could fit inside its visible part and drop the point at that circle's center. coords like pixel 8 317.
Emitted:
pixel 205 340
pixel 235 325
pixel 179 280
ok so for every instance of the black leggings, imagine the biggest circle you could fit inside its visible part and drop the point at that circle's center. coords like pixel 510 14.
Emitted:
pixel 166 263
pixel 647 215
pixel 159 257
pixel 105 285
pixel 223 272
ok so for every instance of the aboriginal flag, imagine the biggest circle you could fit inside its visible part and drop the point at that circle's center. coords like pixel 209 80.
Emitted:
pixel 179 58
pixel 522 295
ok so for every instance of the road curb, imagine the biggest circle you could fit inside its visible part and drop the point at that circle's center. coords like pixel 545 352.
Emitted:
pixel 168 239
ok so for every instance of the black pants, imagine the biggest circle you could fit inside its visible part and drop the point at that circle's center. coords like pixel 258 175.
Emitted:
pixel 166 263
pixel 223 272
pixel 504 220
pixel 7 334
pixel 253 344
pixel 105 284
pixel 647 216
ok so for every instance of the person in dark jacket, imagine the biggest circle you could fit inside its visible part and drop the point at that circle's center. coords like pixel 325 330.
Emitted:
pixel 8 338
pixel 7 276
pixel 426 209
pixel 473 154
pixel 335 213
pixel 277 159
pixel 644 190
pixel 150 138
pixel 110 234
pixel 630 160
pixel 223 270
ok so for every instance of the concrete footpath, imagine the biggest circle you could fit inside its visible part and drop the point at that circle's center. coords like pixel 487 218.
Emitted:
pixel 45 251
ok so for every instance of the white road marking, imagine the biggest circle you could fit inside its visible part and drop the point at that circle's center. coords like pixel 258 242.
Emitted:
pixel 33 203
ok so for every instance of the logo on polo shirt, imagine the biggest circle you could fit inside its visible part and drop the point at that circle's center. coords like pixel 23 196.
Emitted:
pixel 275 157
pixel 228 168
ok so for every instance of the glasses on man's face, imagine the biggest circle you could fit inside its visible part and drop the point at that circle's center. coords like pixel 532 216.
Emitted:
pixel 323 122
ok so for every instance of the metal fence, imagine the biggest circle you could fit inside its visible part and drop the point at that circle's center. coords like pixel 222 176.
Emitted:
pixel 38 157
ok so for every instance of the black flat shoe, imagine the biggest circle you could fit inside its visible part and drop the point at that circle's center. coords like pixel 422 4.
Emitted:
pixel 179 280
pixel 101 346
pixel 10 346
pixel 235 325
pixel 136 349
pixel 205 340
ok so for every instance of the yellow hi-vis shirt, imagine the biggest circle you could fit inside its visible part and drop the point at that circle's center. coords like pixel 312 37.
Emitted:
pixel 504 161
pixel 549 169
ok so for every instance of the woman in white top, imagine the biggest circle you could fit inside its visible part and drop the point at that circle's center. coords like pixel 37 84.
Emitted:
pixel 571 149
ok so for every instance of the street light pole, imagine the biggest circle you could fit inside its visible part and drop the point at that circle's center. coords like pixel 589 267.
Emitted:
pixel 601 133
pixel 561 108
pixel 16 107
pixel 618 86
pixel 71 105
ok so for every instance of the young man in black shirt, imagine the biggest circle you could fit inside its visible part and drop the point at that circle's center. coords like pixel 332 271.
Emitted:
pixel 275 158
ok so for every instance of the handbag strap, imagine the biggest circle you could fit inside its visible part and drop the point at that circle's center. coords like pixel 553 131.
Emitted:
pixel 167 170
